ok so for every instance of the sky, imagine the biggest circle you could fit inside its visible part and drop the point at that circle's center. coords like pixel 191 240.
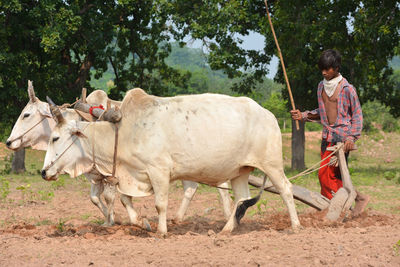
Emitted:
pixel 253 41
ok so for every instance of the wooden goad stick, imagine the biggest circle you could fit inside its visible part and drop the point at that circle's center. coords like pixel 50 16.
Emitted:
pixel 283 64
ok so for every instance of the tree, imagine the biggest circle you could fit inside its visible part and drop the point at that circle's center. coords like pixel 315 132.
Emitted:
pixel 18 162
pixel 57 43
pixel 365 32
pixel 54 43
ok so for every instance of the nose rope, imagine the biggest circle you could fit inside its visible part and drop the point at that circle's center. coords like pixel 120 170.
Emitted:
pixel 27 131
pixel 109 179
pixel 54 161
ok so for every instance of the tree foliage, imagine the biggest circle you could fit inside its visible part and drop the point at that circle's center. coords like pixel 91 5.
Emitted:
pixel 56 43
pixel 366 32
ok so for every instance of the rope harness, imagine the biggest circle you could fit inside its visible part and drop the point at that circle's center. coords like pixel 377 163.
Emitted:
pixel 109 179
pixel 311 169
pixel 67 105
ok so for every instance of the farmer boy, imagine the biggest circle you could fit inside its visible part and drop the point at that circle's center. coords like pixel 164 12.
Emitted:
pixel 339 112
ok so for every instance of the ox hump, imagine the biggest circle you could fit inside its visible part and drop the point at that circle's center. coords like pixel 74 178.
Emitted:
pixel 97 97
pixel 136 98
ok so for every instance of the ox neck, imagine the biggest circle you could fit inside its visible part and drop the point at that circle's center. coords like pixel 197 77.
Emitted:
pixel 99 143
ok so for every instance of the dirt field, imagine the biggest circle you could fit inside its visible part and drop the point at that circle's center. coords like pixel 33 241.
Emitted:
pixel 55 224
pixel 65 231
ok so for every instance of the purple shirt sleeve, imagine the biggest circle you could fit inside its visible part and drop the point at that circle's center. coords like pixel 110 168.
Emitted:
pixel 356 119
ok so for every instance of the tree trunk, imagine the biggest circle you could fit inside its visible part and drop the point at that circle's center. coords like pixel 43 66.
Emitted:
pixel 18 162
pixel 298 141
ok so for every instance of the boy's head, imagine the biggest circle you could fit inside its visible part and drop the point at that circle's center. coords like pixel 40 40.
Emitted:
pixel 329 63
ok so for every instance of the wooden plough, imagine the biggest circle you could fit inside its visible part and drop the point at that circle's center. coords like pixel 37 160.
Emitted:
pixel 342 200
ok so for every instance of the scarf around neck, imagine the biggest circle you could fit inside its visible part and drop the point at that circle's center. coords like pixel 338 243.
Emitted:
pixel 330 86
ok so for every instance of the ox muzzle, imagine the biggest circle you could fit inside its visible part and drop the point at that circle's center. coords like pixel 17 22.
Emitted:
pixel 8 144
pixel 14 144
pixel 45 177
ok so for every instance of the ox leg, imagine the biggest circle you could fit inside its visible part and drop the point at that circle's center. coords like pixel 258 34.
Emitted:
pixel 284 187
pixel 109 197
pixel 226 200
pixel 241 192
pixel 160 182
pixel 134 218
pixel 189 189
pixel 95 192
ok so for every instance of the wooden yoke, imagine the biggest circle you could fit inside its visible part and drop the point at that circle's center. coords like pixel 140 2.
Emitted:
pixel 112 115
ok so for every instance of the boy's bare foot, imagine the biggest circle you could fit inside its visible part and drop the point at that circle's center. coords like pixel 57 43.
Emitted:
pixel 361 202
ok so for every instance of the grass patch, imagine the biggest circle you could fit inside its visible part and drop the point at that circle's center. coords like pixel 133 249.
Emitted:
pixel 396 248
pixel 85 216
pixel 44 222
pixel 98 221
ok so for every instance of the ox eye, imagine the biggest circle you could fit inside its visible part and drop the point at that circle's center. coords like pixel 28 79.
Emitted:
pixel 55 139
pixel 26 115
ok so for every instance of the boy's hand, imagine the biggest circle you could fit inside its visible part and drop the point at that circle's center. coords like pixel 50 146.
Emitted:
pixel 296 115
pixel 348 146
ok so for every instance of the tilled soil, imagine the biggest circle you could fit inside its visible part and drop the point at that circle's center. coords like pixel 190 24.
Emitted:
pixel 65 231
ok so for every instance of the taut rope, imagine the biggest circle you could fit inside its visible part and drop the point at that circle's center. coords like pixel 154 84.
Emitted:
pixel 27 131
pixel 303 173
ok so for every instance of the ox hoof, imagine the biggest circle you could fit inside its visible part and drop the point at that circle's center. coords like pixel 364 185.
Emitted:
pixel 224 233
pixel 107 224
pixel 146 225
pixel 176 220
pixel 296 229
pixel 228 228
pixel 162 235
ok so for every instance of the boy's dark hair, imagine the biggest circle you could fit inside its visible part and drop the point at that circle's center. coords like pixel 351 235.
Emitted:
pixel 330 59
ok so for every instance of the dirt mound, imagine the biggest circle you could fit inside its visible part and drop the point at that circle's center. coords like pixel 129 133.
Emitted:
pixel 281 221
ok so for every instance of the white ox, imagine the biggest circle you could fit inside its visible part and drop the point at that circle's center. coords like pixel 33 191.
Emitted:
pixel 33 128
pixel 205 138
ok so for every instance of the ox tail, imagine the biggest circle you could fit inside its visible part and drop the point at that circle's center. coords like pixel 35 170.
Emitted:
pixel 242 207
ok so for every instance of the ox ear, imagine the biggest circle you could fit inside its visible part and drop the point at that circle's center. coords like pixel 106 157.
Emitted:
pixel 78 133
pixel 31 92
pixel 44 109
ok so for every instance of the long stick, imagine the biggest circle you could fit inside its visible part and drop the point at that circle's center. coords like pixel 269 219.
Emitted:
pixel 283 64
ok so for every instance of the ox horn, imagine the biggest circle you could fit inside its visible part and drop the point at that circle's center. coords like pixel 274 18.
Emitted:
pixel 55 111
pixel 31 92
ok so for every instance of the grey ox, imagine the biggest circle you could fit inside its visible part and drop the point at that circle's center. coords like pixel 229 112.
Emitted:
pixel 206 138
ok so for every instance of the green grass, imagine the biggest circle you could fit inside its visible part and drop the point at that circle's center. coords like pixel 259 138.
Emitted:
pixel 98 221
pixel 44 222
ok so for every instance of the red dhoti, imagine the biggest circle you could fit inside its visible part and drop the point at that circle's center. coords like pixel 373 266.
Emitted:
pixel 329 176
